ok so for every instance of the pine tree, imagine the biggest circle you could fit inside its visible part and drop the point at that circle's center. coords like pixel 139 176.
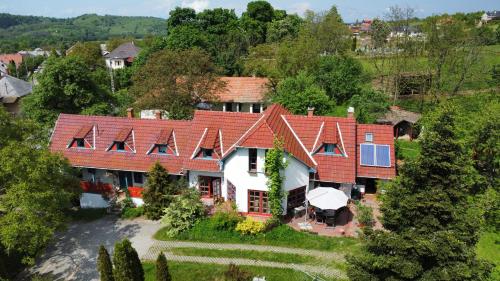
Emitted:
pixel 128 266
pixel 162 273
pixel 104 265
pixel 157 191
pixel 432 228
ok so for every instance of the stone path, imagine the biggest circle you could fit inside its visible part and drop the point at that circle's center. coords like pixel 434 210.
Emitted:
pixel 166 246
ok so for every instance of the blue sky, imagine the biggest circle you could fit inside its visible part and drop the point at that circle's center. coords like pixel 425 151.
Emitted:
pixel 349 9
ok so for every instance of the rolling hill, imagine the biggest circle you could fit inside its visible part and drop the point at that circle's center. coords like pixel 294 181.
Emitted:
pixel 26 32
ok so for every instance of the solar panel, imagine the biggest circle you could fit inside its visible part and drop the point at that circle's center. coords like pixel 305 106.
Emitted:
pixel 368 154
pixel 383 158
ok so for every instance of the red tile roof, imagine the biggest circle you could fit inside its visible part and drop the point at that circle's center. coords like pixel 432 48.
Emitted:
pixel 224 132
pixel 83 131
pixel 382 134
pixel 330 168
pixel 107 128
pixel 243 89
pixel 16 58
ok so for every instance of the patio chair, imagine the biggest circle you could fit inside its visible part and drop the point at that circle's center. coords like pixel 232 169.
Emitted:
pixel 319 216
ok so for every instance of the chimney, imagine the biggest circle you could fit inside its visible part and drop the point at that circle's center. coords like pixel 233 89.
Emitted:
pixel 130 112
pixel 310 111
pixel 158 115
pixel 350 112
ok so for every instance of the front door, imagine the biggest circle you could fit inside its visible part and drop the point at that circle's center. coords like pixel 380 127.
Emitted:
pixel 125 179
pixel 209 186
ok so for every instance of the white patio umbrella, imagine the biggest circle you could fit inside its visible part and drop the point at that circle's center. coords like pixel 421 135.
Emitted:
pixel 327 198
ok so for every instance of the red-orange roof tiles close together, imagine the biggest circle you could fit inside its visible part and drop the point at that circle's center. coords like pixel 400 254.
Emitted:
pixel 224 132
pixel 243 89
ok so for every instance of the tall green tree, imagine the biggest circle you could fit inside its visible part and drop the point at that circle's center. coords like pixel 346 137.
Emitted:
pixel 432 227
pixel 369 105
pixel 65 86
pixel 176 81
pixel 36 186
pixel 299 93
pixel 452 52
pixel 329 30
pixel 104 265
pixel 89 52
pixel 288 27
pixel 127 264
pixel 162 273
pixel 340 76
pixel 180 16
pixel 157 192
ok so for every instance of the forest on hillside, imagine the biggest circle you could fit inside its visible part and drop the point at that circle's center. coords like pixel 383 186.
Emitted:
pixel 28 32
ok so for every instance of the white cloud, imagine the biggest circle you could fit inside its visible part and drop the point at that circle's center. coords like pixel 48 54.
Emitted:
pixel 300 8
pixel 197 5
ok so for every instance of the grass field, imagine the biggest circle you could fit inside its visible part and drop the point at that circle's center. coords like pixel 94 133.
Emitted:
pixel 479 75
pixel 407 150
pixel 279 236
pixel 181 271
pixel 488 248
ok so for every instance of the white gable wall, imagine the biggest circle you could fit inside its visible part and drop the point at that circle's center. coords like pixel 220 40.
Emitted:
pixel 236 171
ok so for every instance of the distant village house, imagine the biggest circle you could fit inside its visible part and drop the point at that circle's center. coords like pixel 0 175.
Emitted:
pixel 122 56
pixel 12 90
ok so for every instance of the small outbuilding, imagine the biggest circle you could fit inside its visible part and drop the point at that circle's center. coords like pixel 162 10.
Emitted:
pixel 12 90
pixel 402 121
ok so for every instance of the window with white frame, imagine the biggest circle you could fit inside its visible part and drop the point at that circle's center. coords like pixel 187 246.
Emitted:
pixel 369 137
pixel 378 155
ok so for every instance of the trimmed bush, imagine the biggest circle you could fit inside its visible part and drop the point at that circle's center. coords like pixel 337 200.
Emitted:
pixel 104 265
pixel 128 266
pixel 250 226
pixel 365 215
pixel 183 212
pixel 162 273
pixel 226 217
pixel 130 213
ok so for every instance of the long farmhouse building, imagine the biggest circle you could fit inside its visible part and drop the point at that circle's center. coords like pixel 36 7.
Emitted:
pixel 222 154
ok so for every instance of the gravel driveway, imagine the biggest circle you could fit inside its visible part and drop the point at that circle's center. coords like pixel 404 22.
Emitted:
pixel 73 254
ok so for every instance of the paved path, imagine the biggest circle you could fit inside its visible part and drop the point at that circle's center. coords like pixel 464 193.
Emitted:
pixel 161 245
pixel 73 254
pixel 166 246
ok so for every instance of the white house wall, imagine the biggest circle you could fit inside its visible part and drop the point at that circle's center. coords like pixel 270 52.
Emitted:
pixel 236 171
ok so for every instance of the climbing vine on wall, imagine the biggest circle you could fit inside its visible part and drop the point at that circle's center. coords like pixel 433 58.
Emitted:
pixel 274 165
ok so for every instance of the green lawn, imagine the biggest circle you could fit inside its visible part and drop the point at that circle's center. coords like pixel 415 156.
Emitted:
pixel 407 150
pixel 184 271
pixel 479 76
pixel 282 235
pixel 488 248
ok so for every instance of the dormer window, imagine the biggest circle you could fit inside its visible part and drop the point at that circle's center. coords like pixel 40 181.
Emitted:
pixel 207 153
pixel 165 144
pixel 369 137
pixel 209 146
pixel 80 143
pixel 330 149
pixel 83 138
pixel 162 149
pixel 120 146
pixel 124 141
